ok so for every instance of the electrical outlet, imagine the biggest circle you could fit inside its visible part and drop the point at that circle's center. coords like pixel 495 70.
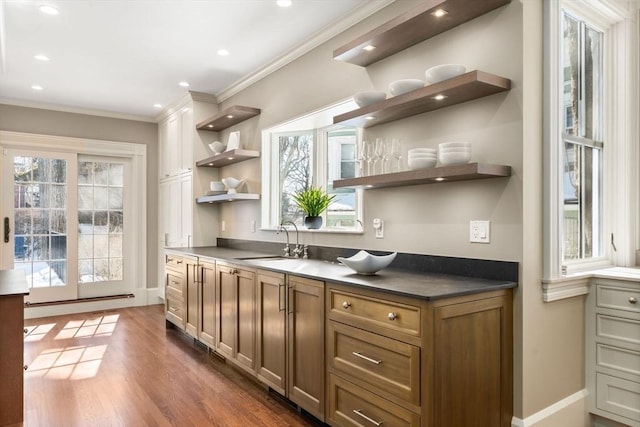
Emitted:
pixel 378 226
pixel 479 231
pixel 223 226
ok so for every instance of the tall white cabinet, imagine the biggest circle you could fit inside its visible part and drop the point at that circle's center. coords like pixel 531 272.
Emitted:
pixel 181 222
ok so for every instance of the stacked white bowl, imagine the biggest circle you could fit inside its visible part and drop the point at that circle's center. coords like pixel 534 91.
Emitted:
pixel 454 153
pixel 422 158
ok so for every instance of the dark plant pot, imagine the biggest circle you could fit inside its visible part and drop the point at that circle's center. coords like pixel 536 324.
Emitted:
pixel 313 222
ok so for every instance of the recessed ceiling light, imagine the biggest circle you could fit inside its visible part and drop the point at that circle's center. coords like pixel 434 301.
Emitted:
pixel 157 105
pixel 43 58
pixel 284 3
pixel 223 52
pixel 36 87
pixel 184 84
pixel 439 13
pixel 440 97
pixel 48 10
pixel 368 48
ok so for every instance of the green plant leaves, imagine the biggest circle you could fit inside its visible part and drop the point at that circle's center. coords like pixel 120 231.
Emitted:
pixel 313 201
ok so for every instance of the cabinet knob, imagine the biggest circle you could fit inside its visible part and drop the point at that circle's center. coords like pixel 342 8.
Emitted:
pixel 392 316
pixel 25 367
pixel 346 304
pixel 26 331
pixel 633 300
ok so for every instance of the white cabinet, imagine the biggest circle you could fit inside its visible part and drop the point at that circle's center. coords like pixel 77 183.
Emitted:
pixel 175 138
pixel 613 350
pixel 176 211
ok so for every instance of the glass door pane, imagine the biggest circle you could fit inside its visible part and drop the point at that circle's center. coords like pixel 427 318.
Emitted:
pixel 38 206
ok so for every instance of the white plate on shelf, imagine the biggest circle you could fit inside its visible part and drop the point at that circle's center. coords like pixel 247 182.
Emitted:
pixel 215 193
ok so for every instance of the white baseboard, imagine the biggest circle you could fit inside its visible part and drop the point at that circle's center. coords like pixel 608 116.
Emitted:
pixel 142 297
pixel 551 411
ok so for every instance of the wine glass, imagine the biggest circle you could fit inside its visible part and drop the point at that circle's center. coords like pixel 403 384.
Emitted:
pixel 378 153
pixel 360 156
pixel 367 154
pixel 396 153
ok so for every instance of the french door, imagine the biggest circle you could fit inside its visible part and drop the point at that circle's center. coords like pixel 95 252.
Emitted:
pixel 39 221
pixel 67 223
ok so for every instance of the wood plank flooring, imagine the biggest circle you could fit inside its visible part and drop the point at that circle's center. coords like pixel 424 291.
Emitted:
pixel 124 368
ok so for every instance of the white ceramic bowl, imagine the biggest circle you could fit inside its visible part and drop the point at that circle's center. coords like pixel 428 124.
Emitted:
pixel 457 144
pixel 369 97
pixel 421 163
pixel 216 186
pixel 416 155
pixel 454 150
pixel 365 263
pixel 217 147
pixel 422 150
pixel 454 158
pixel 232 184
pixel 403 86
pixel 444 72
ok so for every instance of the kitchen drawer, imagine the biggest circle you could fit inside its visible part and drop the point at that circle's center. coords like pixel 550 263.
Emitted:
pixel 618 396
pixel 173 310
pixel 175 283
pixel 618 298
pixel 383 363
pixel 621 359
pixel 350 405
pixel 373 313
pixel 174 262
pixel 618 328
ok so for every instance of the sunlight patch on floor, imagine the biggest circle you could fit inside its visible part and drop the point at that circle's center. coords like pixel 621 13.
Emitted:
pixel 73 363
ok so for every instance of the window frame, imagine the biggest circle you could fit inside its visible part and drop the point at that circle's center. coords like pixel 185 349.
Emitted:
pixel 620 182
pixel 319 122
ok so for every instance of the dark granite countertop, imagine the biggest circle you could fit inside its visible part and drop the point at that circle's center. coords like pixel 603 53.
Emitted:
pixel 13 282
pixel 428 286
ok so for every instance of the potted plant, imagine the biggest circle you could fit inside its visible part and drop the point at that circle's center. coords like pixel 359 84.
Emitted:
pixel 313 201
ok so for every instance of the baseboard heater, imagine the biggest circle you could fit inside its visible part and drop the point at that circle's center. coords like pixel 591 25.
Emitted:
pixel 28 304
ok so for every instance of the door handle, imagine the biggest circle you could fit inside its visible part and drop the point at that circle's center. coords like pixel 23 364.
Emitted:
pixel 7 230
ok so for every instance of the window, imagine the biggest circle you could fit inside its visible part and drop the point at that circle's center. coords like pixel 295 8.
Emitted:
pixel 306 152
pixel 591 139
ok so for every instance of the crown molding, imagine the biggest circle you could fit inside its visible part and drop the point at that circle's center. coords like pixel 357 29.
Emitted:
pixel 324 35
pixel 185 99
pixel 75 110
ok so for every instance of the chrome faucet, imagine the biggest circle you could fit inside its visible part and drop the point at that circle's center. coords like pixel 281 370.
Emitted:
pixel 297 250
pixel 285 250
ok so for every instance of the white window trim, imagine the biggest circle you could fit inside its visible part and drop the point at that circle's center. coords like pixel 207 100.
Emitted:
pixel 138 155
pixel 620 207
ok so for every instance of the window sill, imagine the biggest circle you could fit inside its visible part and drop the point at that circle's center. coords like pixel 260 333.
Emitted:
pixel 578 284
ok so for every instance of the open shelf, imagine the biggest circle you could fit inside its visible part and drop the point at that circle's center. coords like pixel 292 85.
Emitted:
pixel 466 87
pixel 412 27
pixel 465 172
pixel 227 118
pixel 228 158
pixel 221 198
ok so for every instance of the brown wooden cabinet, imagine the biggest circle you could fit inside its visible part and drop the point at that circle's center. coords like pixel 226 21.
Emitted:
pixel 403 361
pixel 207 309
pixel 13 288
pixel 236 314
pixel 291 338
pixel 175 290
pixel 192 297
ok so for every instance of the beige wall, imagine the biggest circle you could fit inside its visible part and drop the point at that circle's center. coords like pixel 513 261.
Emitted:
pixel 434 219
pixel 58 123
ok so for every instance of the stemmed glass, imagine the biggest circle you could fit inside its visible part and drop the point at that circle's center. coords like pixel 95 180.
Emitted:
pixel 378 154
pixel 367 154
pixel 396 153
pixel 361 156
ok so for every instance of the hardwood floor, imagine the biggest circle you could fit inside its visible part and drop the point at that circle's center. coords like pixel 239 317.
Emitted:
pixel 125 368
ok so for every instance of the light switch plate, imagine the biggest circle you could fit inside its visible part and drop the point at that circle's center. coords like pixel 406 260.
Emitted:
pixel 480 231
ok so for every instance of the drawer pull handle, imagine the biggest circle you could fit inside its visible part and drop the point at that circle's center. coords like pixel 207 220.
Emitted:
pixel 178 262
pixel 371 420
pixel 392 316
pixel 633 300
pixel 346 305
pixel 368 359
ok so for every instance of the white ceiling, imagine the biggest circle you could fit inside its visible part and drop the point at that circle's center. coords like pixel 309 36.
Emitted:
pixel 120 57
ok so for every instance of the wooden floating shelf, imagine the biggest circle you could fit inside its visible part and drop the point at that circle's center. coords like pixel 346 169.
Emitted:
pixel 411 28
pixel 222 198
pixel 228 158
pixel 466 87
pixel 227 118
pixel 465 172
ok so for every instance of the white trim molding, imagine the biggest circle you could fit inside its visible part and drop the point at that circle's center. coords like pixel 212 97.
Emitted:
pixel 566 287
pixel 550 410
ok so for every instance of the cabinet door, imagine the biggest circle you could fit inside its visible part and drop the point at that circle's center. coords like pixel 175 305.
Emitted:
pixel 171 153
pixel 226 310
pixel 163 149
pixel 271 306
pixel 170 212
pixel 192 298
pixel 207 330
pixel 185 207
pixel 187 128
pixel 306 344
pixel 246 309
